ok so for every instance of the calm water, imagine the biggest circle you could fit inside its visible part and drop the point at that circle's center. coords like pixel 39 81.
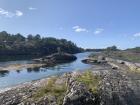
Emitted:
pixel 11 78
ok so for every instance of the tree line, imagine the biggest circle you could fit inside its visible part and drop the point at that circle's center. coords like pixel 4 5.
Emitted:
pixel 17 44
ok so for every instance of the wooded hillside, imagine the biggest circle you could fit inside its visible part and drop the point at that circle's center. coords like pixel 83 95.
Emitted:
pixel 33 45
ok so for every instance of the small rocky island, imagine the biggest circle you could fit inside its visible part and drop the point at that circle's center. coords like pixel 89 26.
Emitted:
pixel 56 58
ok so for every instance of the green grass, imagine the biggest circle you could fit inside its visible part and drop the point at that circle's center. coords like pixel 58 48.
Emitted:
pixel 122 55
pixel 59 90
pixel 90 80
pixel 125 55
pixel 52 89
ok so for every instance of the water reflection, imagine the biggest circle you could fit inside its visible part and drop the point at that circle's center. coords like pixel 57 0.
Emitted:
pixel 4 73
pixel 18 71
pixel 36 69
pixel 15 58
pixel 45 68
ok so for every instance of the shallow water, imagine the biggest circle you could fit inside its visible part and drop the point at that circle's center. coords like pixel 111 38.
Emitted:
pixel 11 78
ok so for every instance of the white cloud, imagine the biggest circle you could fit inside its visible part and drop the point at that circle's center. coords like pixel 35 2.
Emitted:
pixel 10 14
pixel 137 34
pixel 6 13
pixel 98 31
pixel 79 29
pixel 32 8
pixel 18 13
pixel 75 27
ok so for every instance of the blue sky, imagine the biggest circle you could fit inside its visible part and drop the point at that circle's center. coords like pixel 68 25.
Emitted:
pixel 88 23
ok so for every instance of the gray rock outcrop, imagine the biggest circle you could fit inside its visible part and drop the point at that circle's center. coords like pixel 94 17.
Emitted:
pixel 78 94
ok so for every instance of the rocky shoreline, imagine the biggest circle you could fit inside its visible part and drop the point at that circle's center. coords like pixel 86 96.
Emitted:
pixel 113 62
pixel 21 94
pixel 22 66
pixel 116 87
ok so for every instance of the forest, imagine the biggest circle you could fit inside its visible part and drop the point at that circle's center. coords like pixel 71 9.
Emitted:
pixel 17 44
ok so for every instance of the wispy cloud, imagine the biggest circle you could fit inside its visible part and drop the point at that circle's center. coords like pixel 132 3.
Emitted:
pixel 9 14
pixel 32 8
pixel 137 34
pixel 6 13
pixel 98 31
pixel 18 13
pixel 79 29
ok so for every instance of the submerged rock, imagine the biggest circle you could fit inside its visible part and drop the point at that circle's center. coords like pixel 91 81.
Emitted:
pixel 89 61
